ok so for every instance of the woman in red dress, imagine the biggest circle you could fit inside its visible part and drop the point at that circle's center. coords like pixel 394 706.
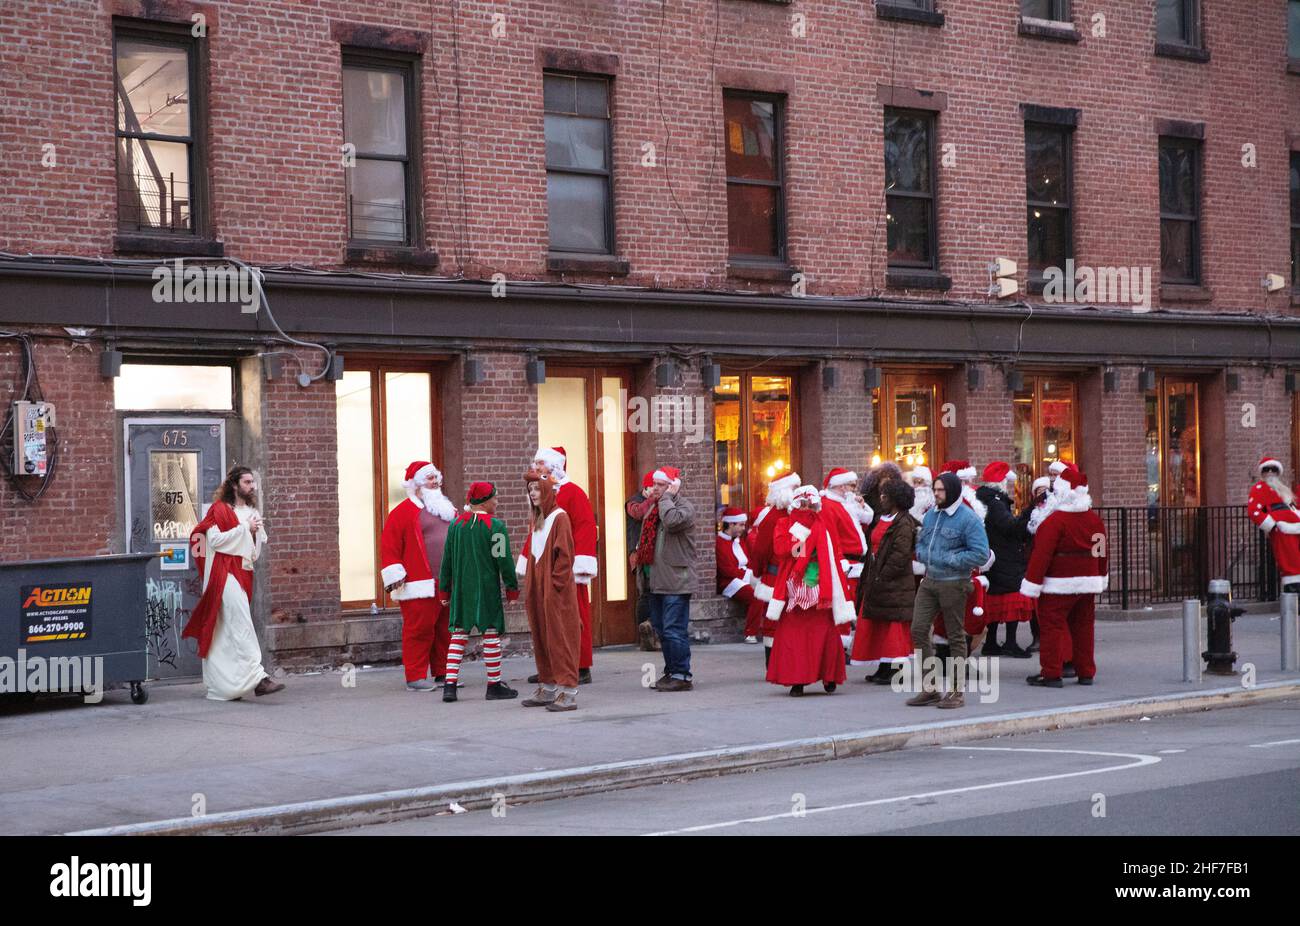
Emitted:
pixel 809 600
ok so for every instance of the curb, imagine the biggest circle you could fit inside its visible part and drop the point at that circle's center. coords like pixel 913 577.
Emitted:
pixel 481 794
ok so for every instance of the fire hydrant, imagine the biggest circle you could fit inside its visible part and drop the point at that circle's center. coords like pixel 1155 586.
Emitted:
pixel 1219 614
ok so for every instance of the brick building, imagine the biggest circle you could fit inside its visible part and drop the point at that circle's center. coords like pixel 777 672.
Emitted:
pixel 780 214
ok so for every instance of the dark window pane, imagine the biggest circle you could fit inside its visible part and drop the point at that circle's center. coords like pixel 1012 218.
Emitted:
pixel 374 110
pixel 1177 244
pixel 560 93
pixel 752 216
pixel 1178 179
pixel 1293 29
pixel 1045 168
pixel 915 4
pixel 1295 189
pixel 576 210
pixel 1049 238
pixel 153 185
pixel 155 78
pixel 1295 258
pixel 1173 21
pixel 1038 9
pixel 751 139
pixel 907 152
pixel 908 223
pixel 593 98
pixel 572 141
pixel 377 200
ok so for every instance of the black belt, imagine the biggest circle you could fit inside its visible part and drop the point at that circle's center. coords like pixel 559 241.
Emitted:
pixel 1278 506
pixel 772 570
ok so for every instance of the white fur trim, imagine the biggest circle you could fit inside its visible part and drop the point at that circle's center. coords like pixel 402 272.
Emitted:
pixel 785 482
pixel 1288 580
pixel 735 518
pixel 763 591
pixel 1267 524
pixel 800 531
pixel 1030 589
pixel 424 472
pixel 1056 467
pixel 521 565
pixel 988 564
pixel 423 588
pixel 854 571
pixel 1042 481
pixel 844 612
pixel 967 473
pixel 394 573
pixel 585 565
pixel 982 580
pixel 549 457
pixel 768 641
pixel 843 479
pixel 774 609
pixel 748 577
pixel 1269 462
pixel 1288 527
pixel 977 611
pixel 918 568
pixel 921 472
pixel 733 586
pixel 1075 585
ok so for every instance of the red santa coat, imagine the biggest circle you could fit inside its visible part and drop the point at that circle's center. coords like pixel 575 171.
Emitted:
pixel 576 504
pixel 1281 522
pixel 1063 561
pixel 733 569
pixel 763 565
pixel 818 541
pixel 850 541
pixel 402 555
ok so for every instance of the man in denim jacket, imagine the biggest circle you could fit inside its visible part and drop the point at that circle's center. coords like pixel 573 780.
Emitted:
pixel 952 542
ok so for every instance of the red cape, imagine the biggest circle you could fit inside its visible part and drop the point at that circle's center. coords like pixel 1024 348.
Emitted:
pixel 203 621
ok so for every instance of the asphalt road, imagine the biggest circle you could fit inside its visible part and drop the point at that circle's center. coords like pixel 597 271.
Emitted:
pixel 1223 772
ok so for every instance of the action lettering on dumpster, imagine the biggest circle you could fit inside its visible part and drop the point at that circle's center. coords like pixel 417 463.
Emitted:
pixel 55 612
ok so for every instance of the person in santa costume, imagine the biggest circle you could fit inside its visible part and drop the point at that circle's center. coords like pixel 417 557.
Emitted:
pixel 733 562
pixel 1067 569
pixel 1271 507
pixel 966 473
pixel 809 600
pixel 475 563
pixel 1008 534
pixel 762 559
pixel 845 509
pixel 226 544
pixel 553 461
pixel 1044 504
pixel 546 566
pixel 922 482
pixel 883 641
pixel 410 551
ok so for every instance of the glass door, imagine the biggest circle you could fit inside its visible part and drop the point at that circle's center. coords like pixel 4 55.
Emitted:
pixel 905 413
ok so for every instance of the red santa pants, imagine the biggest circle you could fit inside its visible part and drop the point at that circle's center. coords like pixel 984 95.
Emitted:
pixel 1065 627
pixel 425 637
pixel 584 612
pixel 1286 550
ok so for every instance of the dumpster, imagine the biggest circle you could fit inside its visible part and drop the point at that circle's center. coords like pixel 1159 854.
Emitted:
pixel 75 624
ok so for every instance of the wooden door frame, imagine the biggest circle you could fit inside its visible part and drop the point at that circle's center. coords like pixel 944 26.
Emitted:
pixel 1036 377
pixel 890 380
pixel 1162 433
pixel 745 398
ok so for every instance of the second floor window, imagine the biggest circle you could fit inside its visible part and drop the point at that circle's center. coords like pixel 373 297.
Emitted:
pixel 579 185
pixel 157 127
pixel 909 188
pixel 1047 196
pixel 1056 10
pixel 1295 220
pixel 755 206
pixel 1293 29
pixel 1178 22
pixel 378 116
pixel 1180 205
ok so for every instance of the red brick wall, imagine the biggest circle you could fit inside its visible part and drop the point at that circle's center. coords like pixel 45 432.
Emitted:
pixel 1263 400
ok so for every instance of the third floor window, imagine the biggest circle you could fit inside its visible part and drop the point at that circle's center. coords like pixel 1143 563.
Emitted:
pixel 909 188
pixel 579 184
pixel 1180 210
pixel 1047 196
pixel 1178 22
pixel 755 194
pixel 378 121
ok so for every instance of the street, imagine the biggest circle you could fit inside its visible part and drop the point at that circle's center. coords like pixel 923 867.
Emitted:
pixel 1225 772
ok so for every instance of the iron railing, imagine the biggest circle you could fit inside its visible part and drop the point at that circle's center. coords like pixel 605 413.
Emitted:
pixel 1160 554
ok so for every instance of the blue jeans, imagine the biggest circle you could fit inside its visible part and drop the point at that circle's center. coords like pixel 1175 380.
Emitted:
pixel 670 616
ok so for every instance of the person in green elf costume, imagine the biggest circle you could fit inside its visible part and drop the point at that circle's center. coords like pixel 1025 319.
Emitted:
pixel 475 562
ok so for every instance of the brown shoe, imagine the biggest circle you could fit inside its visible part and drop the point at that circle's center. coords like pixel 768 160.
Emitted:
pixel 267 686
pixel 951 701
pixel 924 698
pixel 541 698
pixel 674 684
pixel 563 702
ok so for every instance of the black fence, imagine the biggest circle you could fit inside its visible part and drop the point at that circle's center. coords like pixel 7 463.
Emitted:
pixel 1168 554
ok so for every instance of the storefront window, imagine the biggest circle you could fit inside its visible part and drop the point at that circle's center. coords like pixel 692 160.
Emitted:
pixel 753 421
pixel 1043 429
pixel 905 418
pixel 144 386
pixel 1173 443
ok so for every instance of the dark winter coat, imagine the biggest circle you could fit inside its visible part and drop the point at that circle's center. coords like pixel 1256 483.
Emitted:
pixel 1008 536
pixel 888 586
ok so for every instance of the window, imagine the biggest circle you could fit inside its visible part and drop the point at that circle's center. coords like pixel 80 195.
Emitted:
pixel 1293 29
pixel 579 186
pixel 379 116
pixel 374 449
pixel 1180 236
pixel 1173 443
pixel 1295 220
pixel 159 122
pixel 1178 22
pixel 907 407
pixel 191 387
pixel 909 188
pixel 1047 196
pixel 1056 10
pixel 754 433
pixel 1044 429
pixel 755 197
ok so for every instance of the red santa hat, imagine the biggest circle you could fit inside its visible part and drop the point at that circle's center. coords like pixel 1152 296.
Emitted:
pixel 960 468
pixel 996 472
pixel 1056 467
pixel 810 493
pixel 734 516
pixel 554 457
pixel 1071 490
pixel 667 474
pixel 479 492
pixel 839 476
pixel 418 471
pixel 1267 460
pixel 1042 482
pixel 648 479
pixel 787 480
pixel 921 472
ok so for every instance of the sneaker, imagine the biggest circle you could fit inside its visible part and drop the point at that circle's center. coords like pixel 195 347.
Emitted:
pixel 563 702
pixel 674 684
pixel 751 639
pixel 584 678
pixel 924 698
pixel 268 686
pixel 951 701
pixel 1039 681
pixel 500 691
pixel 448 692
pixel 663 678
pixel 540 698
pixel 422 684
pixel 533 680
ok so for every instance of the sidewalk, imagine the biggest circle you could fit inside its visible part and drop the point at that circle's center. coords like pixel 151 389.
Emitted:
pixel 66 766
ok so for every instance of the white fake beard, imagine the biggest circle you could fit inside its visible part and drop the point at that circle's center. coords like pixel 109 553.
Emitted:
pixel 1283 490
pixel 858 508
pixel 437 503
pixel 924 501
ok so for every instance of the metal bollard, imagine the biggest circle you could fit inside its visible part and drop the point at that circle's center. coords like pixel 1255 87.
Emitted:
pixel 1290 632
pixel 1191 640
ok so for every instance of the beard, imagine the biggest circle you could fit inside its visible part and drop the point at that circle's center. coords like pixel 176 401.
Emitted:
pixel 924 501
pixel 438 504
pixel 246 498
pixel 1283 490
pixel 858 508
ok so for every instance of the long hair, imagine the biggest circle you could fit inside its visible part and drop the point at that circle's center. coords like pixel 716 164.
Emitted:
pixel 226 491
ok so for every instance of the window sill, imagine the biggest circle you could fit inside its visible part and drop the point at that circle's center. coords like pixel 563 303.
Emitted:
pixel 1185 292
pixel 766 271
pixel 902 278
pixel 587 263
pixel 1293 66
pixel 403 257
pixel 168 245
pixel 1186 52
pixel 908 14
pixel 1050 29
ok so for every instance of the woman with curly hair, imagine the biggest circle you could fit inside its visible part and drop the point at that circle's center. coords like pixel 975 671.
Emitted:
pixel 884 640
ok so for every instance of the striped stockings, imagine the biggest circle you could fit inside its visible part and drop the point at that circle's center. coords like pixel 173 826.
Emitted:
pixel 491 655
pixel 456 652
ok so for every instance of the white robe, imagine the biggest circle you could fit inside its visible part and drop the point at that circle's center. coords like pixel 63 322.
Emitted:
pixel 234 664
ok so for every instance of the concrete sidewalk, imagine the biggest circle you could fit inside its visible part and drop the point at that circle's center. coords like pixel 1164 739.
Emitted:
pixel 65 766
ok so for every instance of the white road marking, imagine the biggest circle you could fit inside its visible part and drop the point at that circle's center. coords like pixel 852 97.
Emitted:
pixel 1274 743
pixel 1139 761
pixel 1170 752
